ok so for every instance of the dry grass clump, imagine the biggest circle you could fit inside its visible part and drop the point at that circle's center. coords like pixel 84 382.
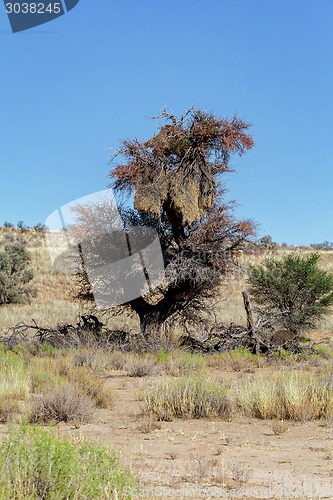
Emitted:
pixel 49 372
pixel 183 363
pixel 280 427
pixel 91 386
pixel 239 473
pixel 289 396
pixel 238 360
pixel 8 409
pixel 140 365
pixel 97 360
pixel 65 404
pixel 192 397
pixel 149 424
pixel 14 377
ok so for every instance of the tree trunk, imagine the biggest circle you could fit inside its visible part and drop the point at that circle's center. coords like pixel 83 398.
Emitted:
pixel 250 322
pixel 153 317
pixel 151 323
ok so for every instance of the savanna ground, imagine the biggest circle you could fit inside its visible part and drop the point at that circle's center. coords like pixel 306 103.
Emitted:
pixel 227 425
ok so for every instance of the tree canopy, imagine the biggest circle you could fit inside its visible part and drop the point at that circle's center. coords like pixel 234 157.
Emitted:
pixel 176 181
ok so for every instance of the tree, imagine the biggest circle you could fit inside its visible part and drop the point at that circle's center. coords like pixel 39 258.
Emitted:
pixel 39 228
pixel 176 181
pixel 293 291
pixel 14 274
pixel 21 226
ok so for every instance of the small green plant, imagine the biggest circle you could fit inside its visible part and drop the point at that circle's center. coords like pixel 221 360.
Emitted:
pixel 293 291
pixel 14 275
pixel 35 464
pixel 47 348
pixel 162 355
pixel 15 380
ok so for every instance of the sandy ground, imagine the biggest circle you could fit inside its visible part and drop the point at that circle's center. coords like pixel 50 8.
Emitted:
pixel 212 458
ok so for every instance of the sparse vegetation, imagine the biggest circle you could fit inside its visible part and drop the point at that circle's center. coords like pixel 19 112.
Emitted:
pixel 45 383
pixel 35 464
pixel 289 396
pixel 191 397
pixel 14 275
pixel 64 404
pixel 293 291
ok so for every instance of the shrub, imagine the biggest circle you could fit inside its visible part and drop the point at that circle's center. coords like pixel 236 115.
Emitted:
pixel 188 398
pixel 43 380
pixel 64 404
pixel 39 228
pixel 238 360
pixel 292 396
pixel 14 274
pixel 14 377
pixel 293 291
pixel 8 408
pixel 140 365
pixel 185 364
pixel 92 386
pixel 36 464
pixel 97 360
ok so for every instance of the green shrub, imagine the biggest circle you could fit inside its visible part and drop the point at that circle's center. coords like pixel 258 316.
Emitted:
pixel 15 379
pixel 47 348
pixel 162 355
pixel 14 275
pixel 293 291
pixel 36 464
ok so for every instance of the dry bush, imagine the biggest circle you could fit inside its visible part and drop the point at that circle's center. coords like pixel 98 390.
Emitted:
pixel 239 360
pixel 180 363
pixel 91 386
pixel 9 408
pixel 65 404
pixel 149 424
pixel 289 396
pixel 117 360
pixel 97 360
pixel 280 427
pixel 203 470
pixel 239 473
pixel 188 398
pixel 140 366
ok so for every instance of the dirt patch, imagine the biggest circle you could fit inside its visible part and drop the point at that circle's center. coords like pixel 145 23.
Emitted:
pixel 212 458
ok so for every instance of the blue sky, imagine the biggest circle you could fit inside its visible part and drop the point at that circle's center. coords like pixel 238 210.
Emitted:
pixel 75 86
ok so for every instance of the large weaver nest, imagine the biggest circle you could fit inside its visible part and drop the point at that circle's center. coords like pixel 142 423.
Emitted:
pixel 190 186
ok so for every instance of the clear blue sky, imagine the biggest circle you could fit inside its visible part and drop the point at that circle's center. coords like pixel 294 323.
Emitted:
pixel 74 86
